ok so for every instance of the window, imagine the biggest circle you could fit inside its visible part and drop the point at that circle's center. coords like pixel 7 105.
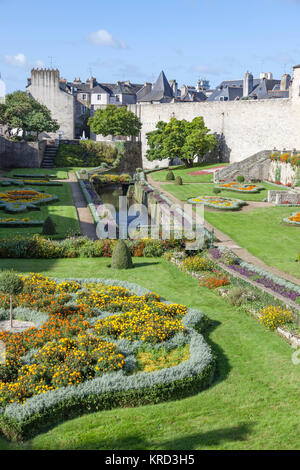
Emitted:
pixel 117 98
pixel 99 97
pixel 83 96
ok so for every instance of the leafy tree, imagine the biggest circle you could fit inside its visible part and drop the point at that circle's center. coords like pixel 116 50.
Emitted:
pixel 115 120
pixel 11 284
pixel 22 112
pixel 180 139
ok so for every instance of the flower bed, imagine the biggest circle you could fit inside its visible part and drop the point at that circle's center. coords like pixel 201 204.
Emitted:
pixel 220 203
pixel 18 222
pixel 110 179
pixel 240 187
pixel 36 182
pixel 19 200
pixel 79 358
pixel 294 219
pixel 279 286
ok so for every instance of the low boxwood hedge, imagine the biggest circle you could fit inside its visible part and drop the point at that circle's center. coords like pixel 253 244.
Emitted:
pixel 18 422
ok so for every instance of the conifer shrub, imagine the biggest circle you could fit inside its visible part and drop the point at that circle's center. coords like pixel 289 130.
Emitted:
pixel 170 176
pixel 216 190
pixel 49 227
pixel 121 257
pixel 178 180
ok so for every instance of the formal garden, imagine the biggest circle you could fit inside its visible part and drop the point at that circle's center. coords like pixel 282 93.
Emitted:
pixel 144 343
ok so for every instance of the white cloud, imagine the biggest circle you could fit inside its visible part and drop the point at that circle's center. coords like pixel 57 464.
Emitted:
pixel 20 60
pixel 104 38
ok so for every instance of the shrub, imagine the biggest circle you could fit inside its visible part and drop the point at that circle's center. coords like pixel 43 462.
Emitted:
pixel 228 257
pixel 153 249
pixel 170 176
pixel 239 295
pixel 178 180
pixel 198 263
pixel 216 190
pixel 274 316
pixel 87 154
pixel 49 227
pixel 240 179
pixel 121 257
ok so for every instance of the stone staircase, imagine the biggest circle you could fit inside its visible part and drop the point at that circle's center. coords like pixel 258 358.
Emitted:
pixel 255 167
pixel 49 156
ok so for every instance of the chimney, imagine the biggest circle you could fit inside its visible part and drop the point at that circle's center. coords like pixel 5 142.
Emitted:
pixel 247 84
pixel 285 82
pixel 174 86
pixel 93 82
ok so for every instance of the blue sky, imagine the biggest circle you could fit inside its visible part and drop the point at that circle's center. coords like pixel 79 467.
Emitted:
pixel 135 40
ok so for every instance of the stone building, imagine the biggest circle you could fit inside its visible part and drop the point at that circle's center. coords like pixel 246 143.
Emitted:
pixel 243 127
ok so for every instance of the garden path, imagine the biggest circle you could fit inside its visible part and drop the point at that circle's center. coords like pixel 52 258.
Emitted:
pixel 85 218
pixel 226 241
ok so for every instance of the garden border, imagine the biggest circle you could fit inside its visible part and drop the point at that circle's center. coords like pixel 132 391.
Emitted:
pixel 18 422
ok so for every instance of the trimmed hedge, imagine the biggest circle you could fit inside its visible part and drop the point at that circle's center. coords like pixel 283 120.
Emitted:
pixel 18 422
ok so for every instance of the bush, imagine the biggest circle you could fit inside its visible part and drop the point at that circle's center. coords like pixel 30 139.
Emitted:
pixel 198 263
pixel 121 257
pixel 228 257
pixel 178 180
pixel 49 227
pixel 240 179
pixel 170 176
pixel 274 316
pixel 216 190
pixel 87 154
pixel 239 295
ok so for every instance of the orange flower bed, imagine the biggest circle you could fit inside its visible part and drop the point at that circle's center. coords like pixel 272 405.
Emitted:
pixel 234 186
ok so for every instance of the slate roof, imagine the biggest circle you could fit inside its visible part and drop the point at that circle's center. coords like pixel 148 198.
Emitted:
pixel 123 88
pixel 232 89
pixel 161 90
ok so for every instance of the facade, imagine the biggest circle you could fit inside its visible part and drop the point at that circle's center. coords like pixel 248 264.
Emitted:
pixel 264 87
pixel 243 127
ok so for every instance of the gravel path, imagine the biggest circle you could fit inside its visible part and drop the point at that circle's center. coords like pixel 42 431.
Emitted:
pixel 18 326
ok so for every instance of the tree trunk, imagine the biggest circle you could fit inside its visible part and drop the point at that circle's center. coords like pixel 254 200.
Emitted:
pixel 11 312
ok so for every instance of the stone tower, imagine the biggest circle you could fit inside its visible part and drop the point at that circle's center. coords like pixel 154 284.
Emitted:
pixel 44 86
pixel 247 84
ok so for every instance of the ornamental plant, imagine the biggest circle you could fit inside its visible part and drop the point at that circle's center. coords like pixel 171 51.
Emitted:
pixel 10 284
pixel 240 178
pixel 49 227
pixel 170 176
pixel 198 263
pixel 214 280
pixel 178 180
pixel 273 317
pixel 121 257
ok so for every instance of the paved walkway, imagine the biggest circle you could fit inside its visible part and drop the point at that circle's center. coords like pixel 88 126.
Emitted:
pixel 225 240
pixel 85 218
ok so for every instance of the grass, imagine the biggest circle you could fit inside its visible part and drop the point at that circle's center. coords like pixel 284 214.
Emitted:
pixel 261 231
pixel 63 213
pixel 187 191
pixel 60 173
pixel 184 173
pixel 252 404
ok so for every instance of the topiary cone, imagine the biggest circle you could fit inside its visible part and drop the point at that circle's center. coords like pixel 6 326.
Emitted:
pixel 121 257
pixel 49 227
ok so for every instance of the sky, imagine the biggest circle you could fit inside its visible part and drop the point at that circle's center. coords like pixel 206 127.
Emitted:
pixel 134 40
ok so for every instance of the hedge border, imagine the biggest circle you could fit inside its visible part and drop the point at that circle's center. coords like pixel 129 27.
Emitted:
pixel 19 422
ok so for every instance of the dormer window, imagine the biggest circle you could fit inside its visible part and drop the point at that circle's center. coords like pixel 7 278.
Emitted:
pixel 83 96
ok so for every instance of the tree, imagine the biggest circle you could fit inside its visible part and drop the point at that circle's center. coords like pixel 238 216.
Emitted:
pixel 20 111
pixel 11 284
pixel 180 139
pixel 121 257
pixel 115 120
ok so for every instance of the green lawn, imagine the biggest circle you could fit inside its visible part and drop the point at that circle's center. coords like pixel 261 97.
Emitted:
pixel 261 231
pixel 60 173
pixel 63 212
pixel 184 173
pixel 187 191
pixel 252 404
